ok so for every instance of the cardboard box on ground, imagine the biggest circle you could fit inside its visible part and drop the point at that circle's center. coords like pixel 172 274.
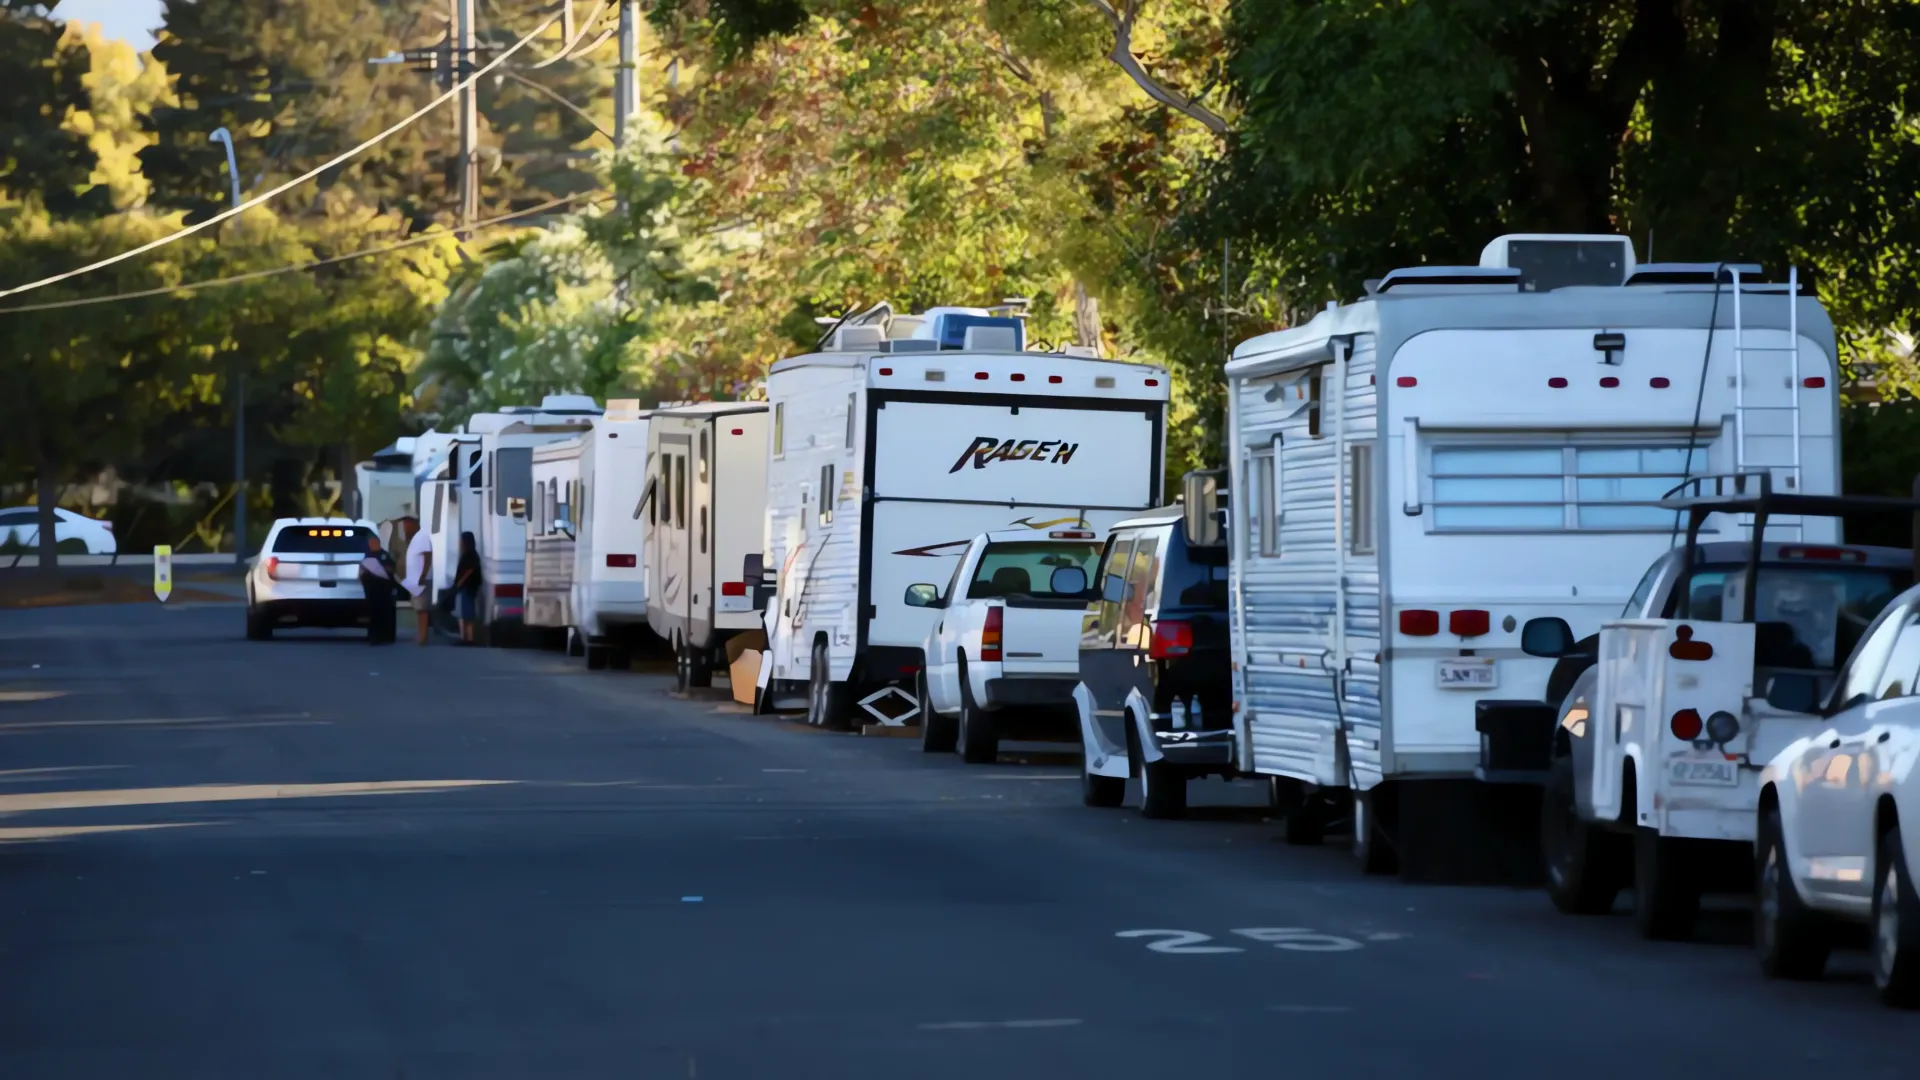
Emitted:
pixel 743 663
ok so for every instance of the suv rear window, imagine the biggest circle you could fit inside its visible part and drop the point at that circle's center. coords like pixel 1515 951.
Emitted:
pixel 1193 577
pixel 1807 616
pixel 1025 567
pixel 322 540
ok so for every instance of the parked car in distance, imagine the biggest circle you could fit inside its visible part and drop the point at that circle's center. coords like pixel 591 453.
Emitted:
pixel 1155 693
pixel 308 574
pixel 1838 831
pixel 20 527
pixel 1004 657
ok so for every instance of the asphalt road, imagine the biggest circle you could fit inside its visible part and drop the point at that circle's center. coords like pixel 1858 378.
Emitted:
pixel 646 887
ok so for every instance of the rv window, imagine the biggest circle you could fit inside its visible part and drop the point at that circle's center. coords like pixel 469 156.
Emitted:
pixel 679 491
pixel 1314 380
pixel 1263 499
pixel 851 399
pixel 779 429
pixel 827 494
pixel 665 495
pixel 474 473
pixel 703 456
pixel 513 477
pixel 1535 488
pixel 1360 496
pixel 703 530
pixel 438 498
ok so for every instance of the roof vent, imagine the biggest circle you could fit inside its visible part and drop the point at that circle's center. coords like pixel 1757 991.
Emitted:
pixel 858 338
pixel 1549 261
pixel 1689 273
pixel 1446 280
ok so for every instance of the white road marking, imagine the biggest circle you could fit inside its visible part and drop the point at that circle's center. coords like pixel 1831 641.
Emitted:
pixel 976 1025
pixel 1036 776
pixel 29 725
pixel 783 770
pixel 79 800
pixel 1309 1009
pixel 691 899
pixel 30 695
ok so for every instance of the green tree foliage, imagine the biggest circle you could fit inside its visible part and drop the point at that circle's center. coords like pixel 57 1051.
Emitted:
pixel 39 155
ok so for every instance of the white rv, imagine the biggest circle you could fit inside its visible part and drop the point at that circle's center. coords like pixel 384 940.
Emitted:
pixel 551 547
pixel 1419 473
pixel 507 439
pixel 705 507
pixel 383 485
pixel 450 497
pixel 894 448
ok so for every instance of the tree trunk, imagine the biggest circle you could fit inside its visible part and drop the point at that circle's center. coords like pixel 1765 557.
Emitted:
pixel 1086 316
pixel 47 496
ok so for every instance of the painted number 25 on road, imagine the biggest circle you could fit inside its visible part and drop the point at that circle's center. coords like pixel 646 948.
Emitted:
pixel 1291 938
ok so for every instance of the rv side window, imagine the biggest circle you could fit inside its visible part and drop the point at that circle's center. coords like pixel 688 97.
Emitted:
pixel 703 456
pixel 438 494
pixel 703 530
pixel 679 491
pixel 779 429
pixel 827 494
pixel 1553 488
pixel 513 478
pixel 1314 381
pixel 1263 500
pixel 851 399
pixel 474 473
pixel 1360 498
pixel 664 497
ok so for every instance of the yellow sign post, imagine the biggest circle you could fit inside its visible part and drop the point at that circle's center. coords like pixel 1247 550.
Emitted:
pixel 163 572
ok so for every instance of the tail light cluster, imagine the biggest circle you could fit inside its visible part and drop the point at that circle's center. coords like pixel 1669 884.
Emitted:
pixel 733 588
pixel 506 592
pixel 624 562
pixel 1722 727
pixel 1824 554
pixel 273 569
pixel 990 634
pixel 1425 622
pixel 1171 638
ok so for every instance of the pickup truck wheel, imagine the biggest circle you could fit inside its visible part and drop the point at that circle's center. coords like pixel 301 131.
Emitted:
pixel 1666 887
pixel 979 743
pixel 1896 926
pixel 1163 791
pixel 1586 865
pixel 1792 939
pixel 937 733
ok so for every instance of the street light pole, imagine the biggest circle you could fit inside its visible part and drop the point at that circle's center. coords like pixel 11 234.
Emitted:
pixel 238 381
pixel 463 65
pixel 626 84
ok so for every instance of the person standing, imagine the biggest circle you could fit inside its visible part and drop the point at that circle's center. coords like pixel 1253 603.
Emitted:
pixel 377 584
pixel 466 584
pixel 420 580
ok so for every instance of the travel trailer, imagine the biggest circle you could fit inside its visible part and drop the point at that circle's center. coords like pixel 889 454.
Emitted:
pixel 383 485
pixel 504 483
pixel 551 546
pixel 704 505
pixel 1421 472
pixel 892 448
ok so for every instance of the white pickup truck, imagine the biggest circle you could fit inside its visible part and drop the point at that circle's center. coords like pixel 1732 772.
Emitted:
pixel 1004 657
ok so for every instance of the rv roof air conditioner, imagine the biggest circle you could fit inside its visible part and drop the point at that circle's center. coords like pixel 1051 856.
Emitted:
pixel 1446 280
pixel 1549 261
pixel 991 339
pixel 949 325
pixel 568 405
pixel 858 338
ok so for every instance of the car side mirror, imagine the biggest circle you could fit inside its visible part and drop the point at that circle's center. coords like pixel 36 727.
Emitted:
pixel 1114 589
pixel 923 595
pixel 1794 692
pixel 1548 636
pixel 1067 581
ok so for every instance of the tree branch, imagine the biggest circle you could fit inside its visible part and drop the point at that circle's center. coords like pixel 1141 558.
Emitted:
pixel 1122 20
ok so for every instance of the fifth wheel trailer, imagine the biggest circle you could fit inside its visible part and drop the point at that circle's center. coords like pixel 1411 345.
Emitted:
pixel 1464 449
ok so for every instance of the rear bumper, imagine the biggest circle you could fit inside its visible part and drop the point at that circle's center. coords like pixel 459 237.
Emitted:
pixel 302 612
pixel 1030 691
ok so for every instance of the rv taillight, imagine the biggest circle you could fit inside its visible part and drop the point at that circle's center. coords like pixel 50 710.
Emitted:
pixel 1055 379
pixel 1609 382
pixel 1153 382
pixel 1468 623
pixel 625 562
pixel 733 588
pixel 1406 380
pixel 506 592
pixel 990 635
pixel 1171 637
pixel 1069 534
pixel 1557 383
pixel 273 569
pixel 1829 554
pixel 1419 622
pixel 1659 382
pixel 739 431
pixel 1017 377
pixel 1813 382
pixel 886 371
pixel 979 374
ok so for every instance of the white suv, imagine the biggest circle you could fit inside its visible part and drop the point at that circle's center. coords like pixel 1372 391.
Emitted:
pixel 308 574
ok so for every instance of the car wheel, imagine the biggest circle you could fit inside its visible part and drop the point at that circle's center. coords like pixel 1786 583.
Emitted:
pixel 1586 865
pixel 1896 926
pixel 1792 939
pixel 259 627
pixel 938 734
pixel 979 742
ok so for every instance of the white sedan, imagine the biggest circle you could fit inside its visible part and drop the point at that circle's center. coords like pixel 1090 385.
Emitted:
pixel 21 524
pixel 1839 828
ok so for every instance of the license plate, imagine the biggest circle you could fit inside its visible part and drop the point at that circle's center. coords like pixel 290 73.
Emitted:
pixel 733 604
pixel 1468 673
pixel 1702 772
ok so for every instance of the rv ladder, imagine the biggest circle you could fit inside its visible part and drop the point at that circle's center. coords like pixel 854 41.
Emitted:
pixel 1766 432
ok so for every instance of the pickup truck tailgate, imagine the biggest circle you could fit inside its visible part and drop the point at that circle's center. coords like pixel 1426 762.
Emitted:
pixel 1041 637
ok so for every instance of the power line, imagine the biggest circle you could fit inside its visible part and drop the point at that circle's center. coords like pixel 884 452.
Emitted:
pixel 296 181
pixel 255 275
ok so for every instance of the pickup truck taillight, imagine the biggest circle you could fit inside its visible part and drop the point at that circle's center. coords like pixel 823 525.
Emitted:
pixel 1171 637
pixel 990 635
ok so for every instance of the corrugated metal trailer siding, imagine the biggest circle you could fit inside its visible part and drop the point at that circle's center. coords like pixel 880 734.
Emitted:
pixel 814 425
pixel 1362 701
pixel 1290 598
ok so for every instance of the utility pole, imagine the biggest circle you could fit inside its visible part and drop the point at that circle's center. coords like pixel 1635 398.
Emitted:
pixel 626 84
pixel 237 381
pixel 463 65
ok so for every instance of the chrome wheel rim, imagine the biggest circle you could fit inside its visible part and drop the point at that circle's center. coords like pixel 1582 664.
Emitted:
pixel 1886 928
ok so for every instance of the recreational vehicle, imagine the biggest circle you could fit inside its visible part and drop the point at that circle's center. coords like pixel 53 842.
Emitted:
pixel 1421 472
pixel 551 546
pixel 704 503
pixel 896 445
pixel 505 486
pixel 383 485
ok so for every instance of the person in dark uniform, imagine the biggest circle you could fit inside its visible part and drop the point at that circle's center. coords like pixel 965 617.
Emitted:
pixel 377 582
pixel 466 586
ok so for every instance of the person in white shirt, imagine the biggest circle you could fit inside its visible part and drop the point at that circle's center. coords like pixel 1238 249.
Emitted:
pixel 419 580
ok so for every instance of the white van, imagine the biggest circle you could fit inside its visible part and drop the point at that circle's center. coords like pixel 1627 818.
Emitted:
pixel 897 445
pixel 704 503
pixel 1419 473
